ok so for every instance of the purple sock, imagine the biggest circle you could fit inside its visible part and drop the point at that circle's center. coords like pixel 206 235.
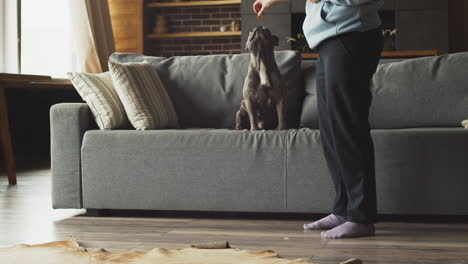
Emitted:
pixel 327 222
pixel 349 230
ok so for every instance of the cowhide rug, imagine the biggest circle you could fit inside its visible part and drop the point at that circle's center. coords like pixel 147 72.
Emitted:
pixel 69 252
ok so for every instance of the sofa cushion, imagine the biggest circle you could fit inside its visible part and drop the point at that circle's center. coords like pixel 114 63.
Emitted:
pixel 98 91
pixel 418 171
pixel 309 113
pixel 143 95
pixel 208 170
pixel 207 90
pixel 423 92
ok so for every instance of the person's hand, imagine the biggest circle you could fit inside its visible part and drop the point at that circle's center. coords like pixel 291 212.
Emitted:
pixel 260 6
pixel 314 1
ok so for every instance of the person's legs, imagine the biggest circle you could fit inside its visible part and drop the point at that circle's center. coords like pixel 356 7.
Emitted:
pixel 349 62
pixel 340 202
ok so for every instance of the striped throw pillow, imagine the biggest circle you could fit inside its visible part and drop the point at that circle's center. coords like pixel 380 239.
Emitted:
pixel 98 91
pixel 143 95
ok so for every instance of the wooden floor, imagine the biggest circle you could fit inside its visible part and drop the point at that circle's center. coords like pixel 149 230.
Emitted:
pixel 26 217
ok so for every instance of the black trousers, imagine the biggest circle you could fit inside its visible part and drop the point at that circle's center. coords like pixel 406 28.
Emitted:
pixel 345 68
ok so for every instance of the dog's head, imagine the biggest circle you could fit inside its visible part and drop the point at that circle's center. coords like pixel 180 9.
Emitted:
pixel 260 37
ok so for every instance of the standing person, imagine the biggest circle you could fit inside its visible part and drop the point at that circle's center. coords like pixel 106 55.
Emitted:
pixel 349 41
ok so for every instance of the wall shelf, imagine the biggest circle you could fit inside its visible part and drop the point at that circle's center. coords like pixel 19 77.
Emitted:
pixel 389 54
pixel 409 54
pixel 195 34
pixel 309 56
pixel 194 3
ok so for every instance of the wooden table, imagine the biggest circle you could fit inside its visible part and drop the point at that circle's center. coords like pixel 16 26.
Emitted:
pixel 16 81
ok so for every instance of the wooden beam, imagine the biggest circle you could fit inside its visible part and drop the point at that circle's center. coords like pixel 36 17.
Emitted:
pixel 127 25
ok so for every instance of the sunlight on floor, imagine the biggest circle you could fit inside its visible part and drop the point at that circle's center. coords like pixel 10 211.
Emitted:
pixel 29 208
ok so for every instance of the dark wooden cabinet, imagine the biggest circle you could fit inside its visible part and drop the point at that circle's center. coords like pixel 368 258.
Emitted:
pixel 421 24
pixel 420 4
pixel 389 5
pixel 298 6
pixel 422 30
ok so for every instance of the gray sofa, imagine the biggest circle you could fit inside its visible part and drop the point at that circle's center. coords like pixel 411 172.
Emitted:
pixel 421 148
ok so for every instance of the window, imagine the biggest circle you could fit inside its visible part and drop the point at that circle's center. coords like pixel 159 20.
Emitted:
pixel 45 37
pixel 35 37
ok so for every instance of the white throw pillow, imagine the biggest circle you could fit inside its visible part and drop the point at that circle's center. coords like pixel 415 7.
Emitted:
pixel 143 95
pixel 465 123
pixel 98 91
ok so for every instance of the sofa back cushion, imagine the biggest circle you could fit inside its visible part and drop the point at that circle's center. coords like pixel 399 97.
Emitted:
pixel 309 114
pixel 98 91
pixel 207 90
pixel 422 92
pixel 143 96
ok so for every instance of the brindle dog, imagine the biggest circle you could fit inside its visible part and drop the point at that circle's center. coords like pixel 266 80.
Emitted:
pixel 264 92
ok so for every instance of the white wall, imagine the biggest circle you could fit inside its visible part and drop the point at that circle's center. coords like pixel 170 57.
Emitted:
pixel 1 36
pixel 10 36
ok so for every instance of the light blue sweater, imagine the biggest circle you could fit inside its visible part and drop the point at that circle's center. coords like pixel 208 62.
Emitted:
pixel 329 18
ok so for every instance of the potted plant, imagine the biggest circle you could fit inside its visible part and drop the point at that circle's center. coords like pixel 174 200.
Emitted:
pixel 300 44
pixel 389 39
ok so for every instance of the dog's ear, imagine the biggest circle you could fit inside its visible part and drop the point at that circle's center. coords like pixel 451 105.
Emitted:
pixel 275 40
pixel 247 44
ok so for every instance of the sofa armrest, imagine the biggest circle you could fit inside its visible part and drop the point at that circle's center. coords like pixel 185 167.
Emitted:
pixel 69 122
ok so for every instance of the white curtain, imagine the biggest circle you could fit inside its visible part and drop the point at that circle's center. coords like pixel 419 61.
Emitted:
pixel 92 41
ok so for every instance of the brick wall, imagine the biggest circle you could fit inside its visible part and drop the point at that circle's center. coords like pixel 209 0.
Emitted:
pixel 193 19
